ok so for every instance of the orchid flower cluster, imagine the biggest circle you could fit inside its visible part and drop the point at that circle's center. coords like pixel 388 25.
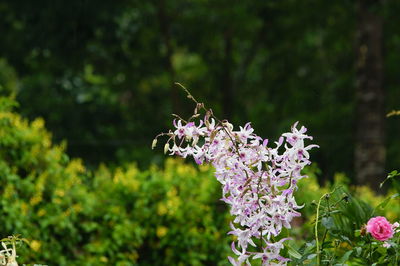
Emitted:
pixel 258 180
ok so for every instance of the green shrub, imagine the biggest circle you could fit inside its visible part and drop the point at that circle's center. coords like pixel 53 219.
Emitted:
pixel 125 216
pixel 310 191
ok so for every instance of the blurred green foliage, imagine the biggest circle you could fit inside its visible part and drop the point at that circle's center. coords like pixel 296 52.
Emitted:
pixel 127 216
pixel 101 74
pixel 73 216
pixel 342 214
pixel 361 201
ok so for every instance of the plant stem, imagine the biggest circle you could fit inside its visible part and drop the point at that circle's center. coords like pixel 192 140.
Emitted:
pixel 316 224
pixel 236 150
pixel 397 250
pixel 370 251
pixel 316 230
pixel 326 230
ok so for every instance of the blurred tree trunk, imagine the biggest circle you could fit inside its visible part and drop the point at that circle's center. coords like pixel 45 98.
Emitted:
pixel 370 150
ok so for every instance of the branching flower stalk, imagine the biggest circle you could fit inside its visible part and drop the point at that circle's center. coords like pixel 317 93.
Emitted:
pixel 258 181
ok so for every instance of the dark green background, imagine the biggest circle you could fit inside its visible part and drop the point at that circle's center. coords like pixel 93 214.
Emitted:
pixel 101 72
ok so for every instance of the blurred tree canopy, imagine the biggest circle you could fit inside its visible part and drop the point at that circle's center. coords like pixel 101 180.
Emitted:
pixel 101 73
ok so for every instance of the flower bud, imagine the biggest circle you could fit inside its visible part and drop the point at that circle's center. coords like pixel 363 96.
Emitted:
pixel 166 148
pixel 154 143
pixel 363 230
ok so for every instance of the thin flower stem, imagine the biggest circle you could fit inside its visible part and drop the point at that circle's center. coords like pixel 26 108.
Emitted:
pixel 316 230
pixel 326 230
pixel 397 250
pixel 370 250
pixel 259 207
pixel 316 225
pixel 201 105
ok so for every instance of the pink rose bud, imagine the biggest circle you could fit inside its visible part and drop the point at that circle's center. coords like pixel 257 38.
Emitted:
pixel 380 228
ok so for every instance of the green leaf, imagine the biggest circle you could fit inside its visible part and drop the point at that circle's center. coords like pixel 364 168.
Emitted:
pixel 346 256
pixel 383 204
pixel 382 250
pixel 293 252
pixel 393 174
pixel 309 246
pixel 310 257
pixel 358 251
pixel 327 222
pixel 390 176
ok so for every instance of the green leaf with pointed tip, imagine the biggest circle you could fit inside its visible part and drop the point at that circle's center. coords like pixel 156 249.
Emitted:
pixel 293 252
pixel 346 256
pixel 383 204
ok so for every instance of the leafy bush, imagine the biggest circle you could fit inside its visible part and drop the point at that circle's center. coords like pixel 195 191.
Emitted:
pixel 310 191
pixel 343 212
pixel 125 216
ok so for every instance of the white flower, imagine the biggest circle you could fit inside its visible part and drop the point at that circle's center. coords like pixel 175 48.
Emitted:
pixel 386 245
pixel 8 256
